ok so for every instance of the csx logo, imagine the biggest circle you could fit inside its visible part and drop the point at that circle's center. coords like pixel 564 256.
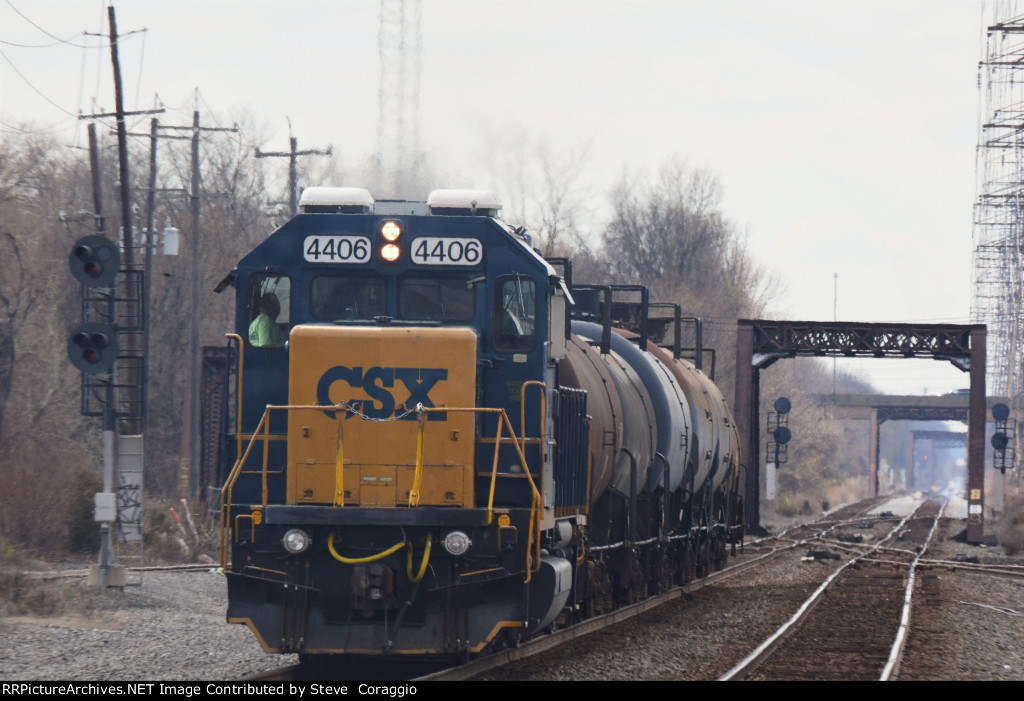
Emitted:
pixel 377 382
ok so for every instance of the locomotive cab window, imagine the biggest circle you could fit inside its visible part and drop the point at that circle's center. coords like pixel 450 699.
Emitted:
pixel 268 309
pixel 348 297
pixel 514 315
pixel 436 299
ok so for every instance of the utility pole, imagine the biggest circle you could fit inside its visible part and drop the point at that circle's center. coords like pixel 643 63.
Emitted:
pixel 122 143
pixel 147 280
pixel 133 291
pixel 191 447
pixel 292 156
pixel 193 385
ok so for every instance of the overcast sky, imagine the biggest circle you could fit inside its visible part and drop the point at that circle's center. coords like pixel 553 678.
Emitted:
pixel 843 133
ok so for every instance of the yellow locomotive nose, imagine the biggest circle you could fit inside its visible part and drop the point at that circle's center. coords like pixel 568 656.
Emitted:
pixel 361 449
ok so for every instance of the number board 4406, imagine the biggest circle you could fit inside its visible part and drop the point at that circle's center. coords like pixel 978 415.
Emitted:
pixel 323 248
pixel 433 250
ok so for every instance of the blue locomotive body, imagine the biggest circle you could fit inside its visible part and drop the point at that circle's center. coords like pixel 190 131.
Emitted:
pixel 426 457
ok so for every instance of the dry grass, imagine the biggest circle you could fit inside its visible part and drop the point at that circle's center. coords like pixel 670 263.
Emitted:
pixel 176 537
pixel 21 593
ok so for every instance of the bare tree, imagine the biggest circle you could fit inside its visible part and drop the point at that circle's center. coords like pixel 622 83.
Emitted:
pixel 544 189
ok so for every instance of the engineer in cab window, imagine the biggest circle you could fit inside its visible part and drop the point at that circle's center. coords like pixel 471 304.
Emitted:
pixel 264 331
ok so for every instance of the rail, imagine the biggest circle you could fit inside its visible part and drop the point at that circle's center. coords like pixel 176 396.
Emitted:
pixel 896 652
pixel 759 654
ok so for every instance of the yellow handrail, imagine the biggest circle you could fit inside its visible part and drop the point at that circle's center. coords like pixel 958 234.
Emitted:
pixel 494 475
pixel 533 542
pixel 339 464
pixel 229 486
pixel 414 493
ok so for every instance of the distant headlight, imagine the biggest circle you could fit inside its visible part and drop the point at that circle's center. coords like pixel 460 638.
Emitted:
pixel 296 541
pixel 457 543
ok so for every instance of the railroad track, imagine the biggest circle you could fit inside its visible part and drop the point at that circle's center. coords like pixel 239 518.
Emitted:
pixel 854 626
pixel 761 551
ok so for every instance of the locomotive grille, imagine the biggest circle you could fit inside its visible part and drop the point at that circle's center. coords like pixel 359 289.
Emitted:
pixel 572 435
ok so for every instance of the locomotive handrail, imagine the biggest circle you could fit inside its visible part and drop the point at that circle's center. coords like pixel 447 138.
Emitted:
pixel 543 415
pixel 238 390
pixel 533 542
pixel 229 485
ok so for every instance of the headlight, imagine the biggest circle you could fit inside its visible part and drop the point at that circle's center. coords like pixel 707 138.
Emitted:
pixel 390 252
pixel 391 230
pixel 457 543
pixel 296 541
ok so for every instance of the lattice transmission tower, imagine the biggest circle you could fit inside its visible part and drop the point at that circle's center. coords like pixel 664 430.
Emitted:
pixel 398 158
pixel 998 236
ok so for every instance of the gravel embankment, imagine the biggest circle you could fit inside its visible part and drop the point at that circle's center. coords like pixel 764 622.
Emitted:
pixel 172 627
pixel 966 625
pixel 702 638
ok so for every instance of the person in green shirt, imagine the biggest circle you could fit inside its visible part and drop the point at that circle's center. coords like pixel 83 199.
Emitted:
pixel 264 331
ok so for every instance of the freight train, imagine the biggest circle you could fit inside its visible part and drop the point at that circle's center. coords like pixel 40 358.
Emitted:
pixel 439 444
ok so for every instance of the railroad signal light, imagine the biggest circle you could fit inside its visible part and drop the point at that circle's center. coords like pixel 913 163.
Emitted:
pixel 93 347
pixel 778 430
pixel 1000 440
pixel 781 435
pixel 94 261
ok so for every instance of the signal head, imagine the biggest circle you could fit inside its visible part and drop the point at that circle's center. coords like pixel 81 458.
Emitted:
pixel 782 435
pixel 94 261
pixel 93 348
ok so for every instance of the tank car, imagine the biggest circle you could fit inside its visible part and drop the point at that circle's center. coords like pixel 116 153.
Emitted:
pixel 438 445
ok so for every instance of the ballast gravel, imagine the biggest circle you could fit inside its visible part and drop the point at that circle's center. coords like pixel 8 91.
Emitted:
pixel 172 627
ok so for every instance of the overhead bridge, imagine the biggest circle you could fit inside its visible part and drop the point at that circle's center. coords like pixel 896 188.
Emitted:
pixel 879 408
pixel 761 342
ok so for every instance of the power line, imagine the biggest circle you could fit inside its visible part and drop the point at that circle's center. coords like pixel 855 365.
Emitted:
pixel 57 40
pixel 43 46
pixel 29 83
pixel 292 156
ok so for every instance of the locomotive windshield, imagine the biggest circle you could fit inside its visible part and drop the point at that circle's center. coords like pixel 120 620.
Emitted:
pixel 515 313
pixel 348 297
pixel 435 299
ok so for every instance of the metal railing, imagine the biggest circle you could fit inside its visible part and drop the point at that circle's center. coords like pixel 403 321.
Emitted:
pixel 262 434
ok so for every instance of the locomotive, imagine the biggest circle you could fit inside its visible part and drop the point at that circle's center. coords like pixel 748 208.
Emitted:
pixel 440 445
